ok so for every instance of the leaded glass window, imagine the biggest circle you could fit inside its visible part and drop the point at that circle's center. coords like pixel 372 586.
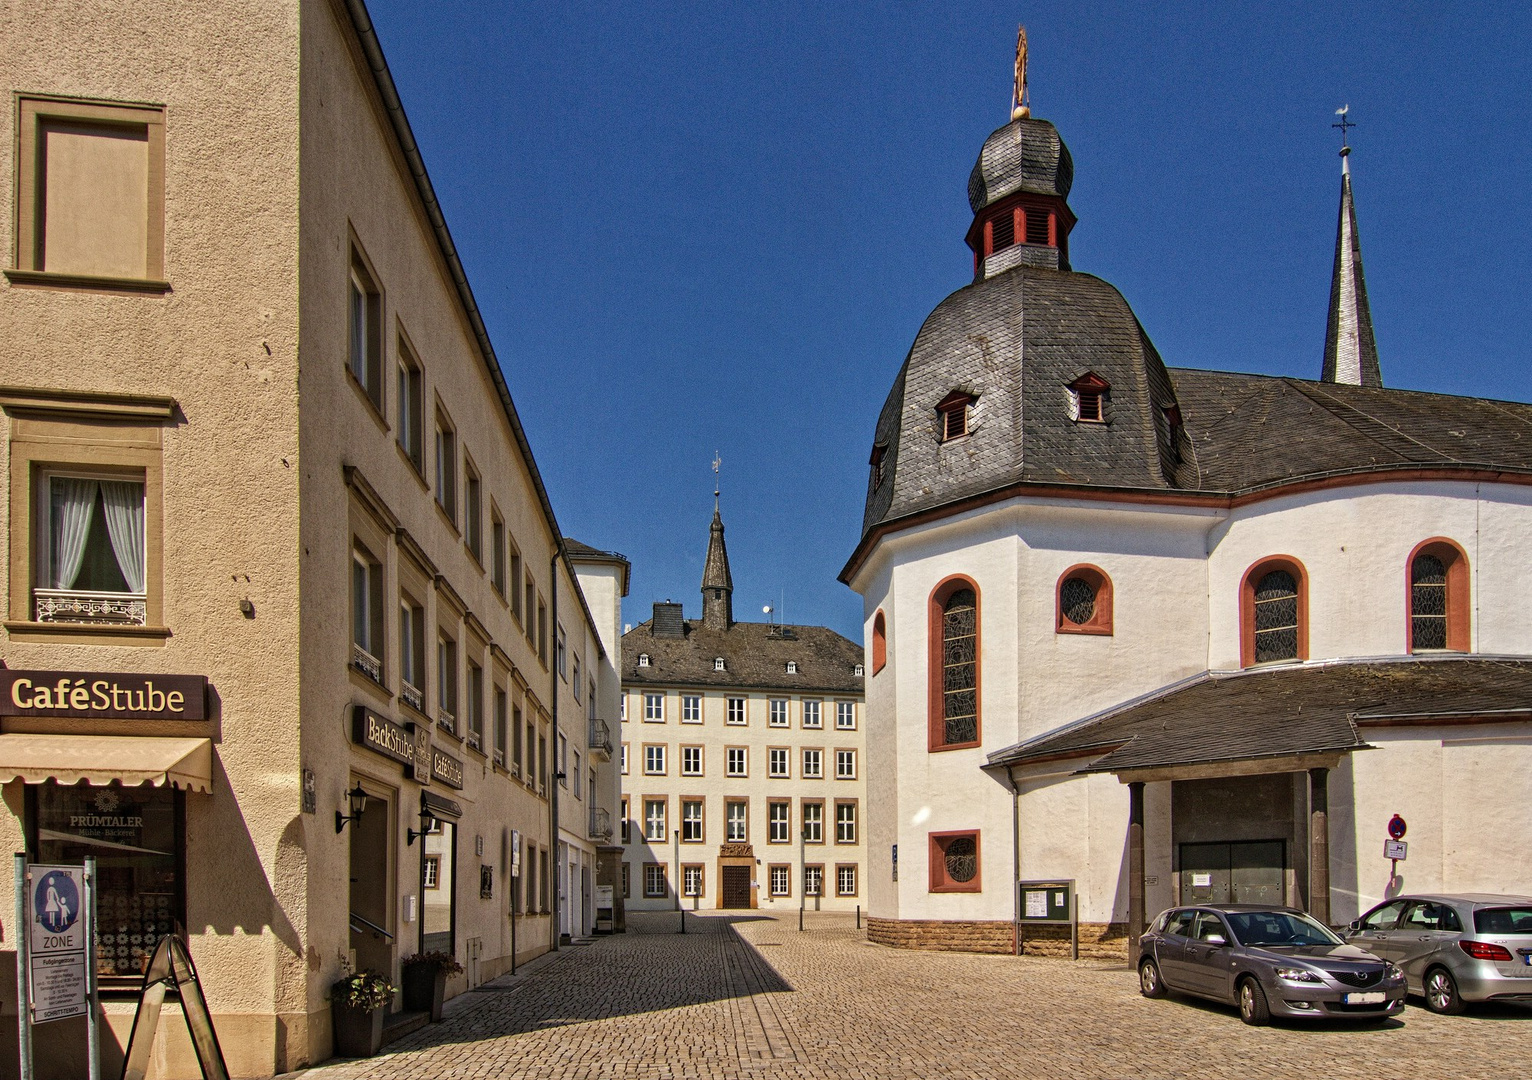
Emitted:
pixel 1428 603
pixel 961 857
pixel 1276 617
pixel 960 671
pixel 1077 599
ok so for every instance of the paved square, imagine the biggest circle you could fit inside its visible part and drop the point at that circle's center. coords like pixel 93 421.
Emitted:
pixel 752 997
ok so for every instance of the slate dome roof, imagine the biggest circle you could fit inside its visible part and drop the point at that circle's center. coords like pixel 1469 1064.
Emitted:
pixel 1025 155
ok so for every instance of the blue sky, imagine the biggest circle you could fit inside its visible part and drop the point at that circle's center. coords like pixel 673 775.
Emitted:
pixel 717 228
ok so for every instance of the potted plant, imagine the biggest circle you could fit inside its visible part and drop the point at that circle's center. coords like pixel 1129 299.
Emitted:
pixel 359 1001
pixel 425 981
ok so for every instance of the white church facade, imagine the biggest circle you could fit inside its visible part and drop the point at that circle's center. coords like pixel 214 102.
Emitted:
pixel 1172 635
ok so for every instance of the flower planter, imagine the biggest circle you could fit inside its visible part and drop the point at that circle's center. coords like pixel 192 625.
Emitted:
pixel 425 988
pixel 358 1032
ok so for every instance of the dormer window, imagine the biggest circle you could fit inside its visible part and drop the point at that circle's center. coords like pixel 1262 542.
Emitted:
pixel 718 663
pixel 953 413
pixel 792 667
pixel 857 670
pixel 879 451
pixel 1088 398
pixel 643 659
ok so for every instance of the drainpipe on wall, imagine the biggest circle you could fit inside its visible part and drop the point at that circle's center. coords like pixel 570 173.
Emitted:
pixel 556 860
pixel 1015 862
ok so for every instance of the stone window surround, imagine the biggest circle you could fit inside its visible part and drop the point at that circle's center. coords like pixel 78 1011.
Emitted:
pixel 840 869
pixel 856 825
pixel 1100 622
pixel 1259 569
pixel 1459 602
pixel 32 111
pixel 936 855
pixel 700 770
pixel 58 428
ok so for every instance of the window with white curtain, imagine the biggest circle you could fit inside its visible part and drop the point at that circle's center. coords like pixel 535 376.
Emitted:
pixel 92 565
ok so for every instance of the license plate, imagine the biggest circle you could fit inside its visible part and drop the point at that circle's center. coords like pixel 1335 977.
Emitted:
pixel 1374 997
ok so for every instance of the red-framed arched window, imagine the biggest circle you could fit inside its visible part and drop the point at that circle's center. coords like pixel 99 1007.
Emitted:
pixel 1083 601
pixel 953 860
pixel 1274 611
pixel 1437 610
pixel 953 635
pixel 879 642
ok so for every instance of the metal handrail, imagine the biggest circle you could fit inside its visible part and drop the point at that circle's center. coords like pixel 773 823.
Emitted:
pixel 374 927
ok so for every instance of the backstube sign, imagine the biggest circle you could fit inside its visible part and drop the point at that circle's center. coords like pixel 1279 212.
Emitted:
pixel 103 695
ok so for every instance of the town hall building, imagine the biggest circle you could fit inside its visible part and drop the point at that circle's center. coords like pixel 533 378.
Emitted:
pixel 1160 635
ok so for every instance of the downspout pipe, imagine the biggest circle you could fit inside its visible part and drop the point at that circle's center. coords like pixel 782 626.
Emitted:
pixel 553 696
pixel 1015 861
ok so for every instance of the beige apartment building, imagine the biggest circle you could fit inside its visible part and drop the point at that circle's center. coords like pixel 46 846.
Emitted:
pixel 742 759
pixel 292 638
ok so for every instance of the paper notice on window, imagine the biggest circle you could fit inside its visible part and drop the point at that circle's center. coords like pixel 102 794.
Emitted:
pixel 1036 904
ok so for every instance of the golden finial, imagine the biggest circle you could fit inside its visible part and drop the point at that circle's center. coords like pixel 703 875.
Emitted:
pixel 1020 106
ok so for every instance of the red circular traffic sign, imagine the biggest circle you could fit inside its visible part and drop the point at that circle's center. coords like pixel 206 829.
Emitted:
pixel 1396 827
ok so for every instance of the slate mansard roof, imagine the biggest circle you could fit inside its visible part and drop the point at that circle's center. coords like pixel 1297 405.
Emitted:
pixel 755 658
pixel 1282 711
pixel 1016 340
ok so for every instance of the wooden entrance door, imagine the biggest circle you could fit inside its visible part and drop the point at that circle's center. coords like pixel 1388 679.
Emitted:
pixel 736 886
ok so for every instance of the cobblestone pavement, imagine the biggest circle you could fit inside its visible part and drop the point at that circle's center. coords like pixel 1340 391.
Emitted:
pixel 753 998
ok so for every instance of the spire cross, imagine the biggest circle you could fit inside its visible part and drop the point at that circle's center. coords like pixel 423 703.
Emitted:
pixel 1345 125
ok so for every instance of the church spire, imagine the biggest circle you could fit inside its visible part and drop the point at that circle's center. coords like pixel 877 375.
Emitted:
pixel 717 583
pixel 1351 352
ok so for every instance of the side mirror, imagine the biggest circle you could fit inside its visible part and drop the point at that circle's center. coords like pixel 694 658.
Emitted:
pixel 1354 926
pixel 1216 939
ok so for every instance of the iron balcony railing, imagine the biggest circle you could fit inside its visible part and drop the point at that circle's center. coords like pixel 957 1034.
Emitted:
pixel 101 608
pixel 600 824
pixel 601 738
pixel 366 663
pixel 410 694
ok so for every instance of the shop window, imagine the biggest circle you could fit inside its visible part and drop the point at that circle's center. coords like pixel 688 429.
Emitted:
pixel 879 642
pixel 954 862
pixel 438 881
pixel 1274 612
pixel 91 193
pixel 1083 602
pixel 954 665
pixel 1439 608
pixel 93 567
pixel 138 836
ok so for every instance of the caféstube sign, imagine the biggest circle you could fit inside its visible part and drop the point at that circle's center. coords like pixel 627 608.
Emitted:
pixel 103 695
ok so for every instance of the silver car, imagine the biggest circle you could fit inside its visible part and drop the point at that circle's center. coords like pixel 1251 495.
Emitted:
pixel 1268 961
pixel 1454 949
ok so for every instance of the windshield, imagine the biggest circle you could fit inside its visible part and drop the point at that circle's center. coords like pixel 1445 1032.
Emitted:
pixel 1278 928
pixel 1505 920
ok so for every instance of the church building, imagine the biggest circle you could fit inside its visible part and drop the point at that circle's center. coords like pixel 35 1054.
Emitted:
pixel 1157 635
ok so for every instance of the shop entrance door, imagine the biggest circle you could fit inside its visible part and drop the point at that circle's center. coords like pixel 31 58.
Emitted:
pixel 736 886
pixel 371 904
pixel 1250 872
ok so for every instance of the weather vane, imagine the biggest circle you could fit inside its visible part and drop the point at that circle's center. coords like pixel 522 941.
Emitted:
pixel 1345 125
pixel 1020 106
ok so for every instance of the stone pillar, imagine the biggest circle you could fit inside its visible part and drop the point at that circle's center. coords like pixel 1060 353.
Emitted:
pixel 1319 844
pixel 1135 864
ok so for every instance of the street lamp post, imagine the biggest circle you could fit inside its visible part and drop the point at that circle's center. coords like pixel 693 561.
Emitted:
pixel 803 874
pixel 677 880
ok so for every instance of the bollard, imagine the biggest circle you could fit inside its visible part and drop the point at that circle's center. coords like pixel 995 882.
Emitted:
pixel 683 920
pixel 859 916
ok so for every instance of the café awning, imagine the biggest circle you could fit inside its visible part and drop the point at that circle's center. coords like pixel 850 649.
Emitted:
pixel 100 759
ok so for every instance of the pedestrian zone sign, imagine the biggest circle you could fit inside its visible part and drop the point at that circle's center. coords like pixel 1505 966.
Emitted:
pixel 56 944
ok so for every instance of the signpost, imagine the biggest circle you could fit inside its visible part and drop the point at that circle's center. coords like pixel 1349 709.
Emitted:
pixel 1396 850
pixel 55 970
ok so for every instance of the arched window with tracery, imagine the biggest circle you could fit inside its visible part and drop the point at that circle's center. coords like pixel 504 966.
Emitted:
pixel 879 643
pixel 1274 612
pixel 954 665
pixel 954 862
pixel 1083 601
pixel 1438 598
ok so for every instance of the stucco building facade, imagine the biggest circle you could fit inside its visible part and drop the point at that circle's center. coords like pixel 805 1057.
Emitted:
pixel 1159 635
pixel 260 452
pixel 742 759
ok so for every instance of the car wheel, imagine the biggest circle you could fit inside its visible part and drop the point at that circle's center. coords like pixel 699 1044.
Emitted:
pixel 1442 992
pixel 1252 1003
pixel 1149 982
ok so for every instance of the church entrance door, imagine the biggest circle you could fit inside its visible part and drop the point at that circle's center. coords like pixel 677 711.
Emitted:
pixel 1251 872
